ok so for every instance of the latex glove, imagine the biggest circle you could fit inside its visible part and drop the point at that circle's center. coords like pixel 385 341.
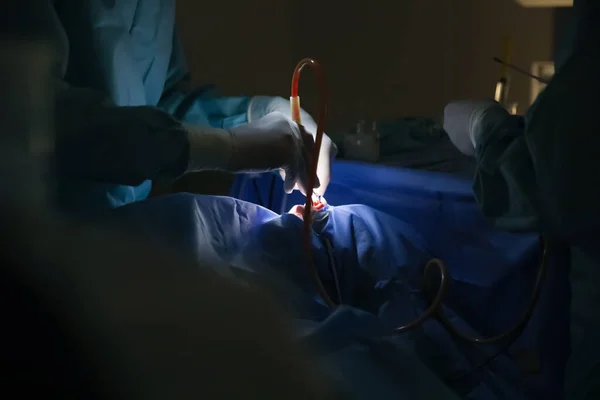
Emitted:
pixel 269 143
pixel 298 211
pixel 263 105
pixel 465 121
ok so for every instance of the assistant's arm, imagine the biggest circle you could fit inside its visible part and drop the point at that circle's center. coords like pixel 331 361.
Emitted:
pixel 205 109
pixel 540 173
pixel 504 183
pixel 96 140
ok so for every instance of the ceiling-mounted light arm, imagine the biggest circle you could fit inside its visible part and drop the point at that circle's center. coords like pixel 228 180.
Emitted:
pixel 545 3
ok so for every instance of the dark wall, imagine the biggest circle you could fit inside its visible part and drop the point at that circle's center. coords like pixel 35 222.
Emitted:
pixel 383 58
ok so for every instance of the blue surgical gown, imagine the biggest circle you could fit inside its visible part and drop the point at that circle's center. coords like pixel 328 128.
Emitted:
pixel 119 98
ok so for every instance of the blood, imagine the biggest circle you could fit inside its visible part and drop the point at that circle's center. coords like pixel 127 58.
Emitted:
pixel 317 205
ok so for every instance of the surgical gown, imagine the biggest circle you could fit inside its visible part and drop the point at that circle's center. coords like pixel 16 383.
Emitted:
pixel 541 173
pixel 119 98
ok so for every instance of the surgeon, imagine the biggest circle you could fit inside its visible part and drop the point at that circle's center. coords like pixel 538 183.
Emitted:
pixel 123 120
pixel 540 173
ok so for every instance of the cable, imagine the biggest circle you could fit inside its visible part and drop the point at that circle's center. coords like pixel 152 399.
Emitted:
pixel 435 309
pixel 521 322
pixel 521 71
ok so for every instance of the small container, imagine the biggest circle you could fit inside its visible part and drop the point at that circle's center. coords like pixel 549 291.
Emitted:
pixel 362 145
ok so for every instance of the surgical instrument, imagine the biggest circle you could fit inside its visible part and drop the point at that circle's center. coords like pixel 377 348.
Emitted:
pixel 502 86
pixel 521 71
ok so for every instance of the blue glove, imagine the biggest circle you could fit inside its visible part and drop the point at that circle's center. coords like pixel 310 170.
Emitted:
pixel 263 105
pixel 273 142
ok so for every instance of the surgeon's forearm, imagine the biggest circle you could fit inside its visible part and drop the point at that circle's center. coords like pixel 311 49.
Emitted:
pixel 210 148
pixel 98 141
pixel 242 151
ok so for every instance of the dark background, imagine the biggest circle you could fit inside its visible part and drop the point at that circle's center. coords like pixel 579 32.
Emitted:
pixel 383 58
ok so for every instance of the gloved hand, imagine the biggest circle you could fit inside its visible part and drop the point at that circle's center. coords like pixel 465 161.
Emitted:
pixel 465 121
pixel 269 143
pixel 263 105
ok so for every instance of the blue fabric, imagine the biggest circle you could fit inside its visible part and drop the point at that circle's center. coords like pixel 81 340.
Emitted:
pixel 377 257
pixel 388 189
